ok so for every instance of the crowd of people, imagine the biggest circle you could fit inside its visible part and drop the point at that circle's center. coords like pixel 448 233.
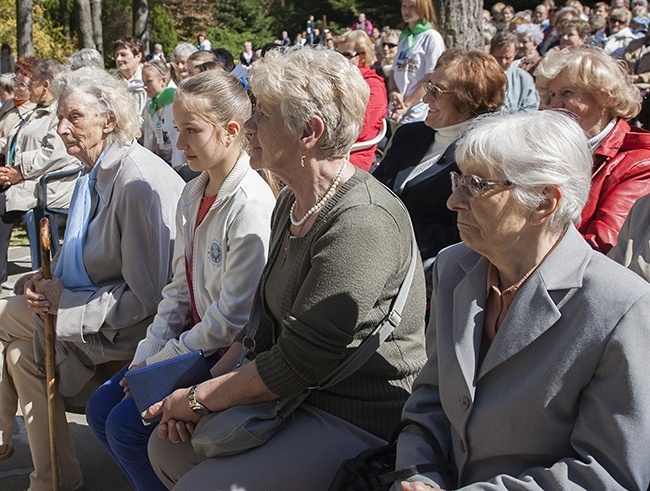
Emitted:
pixel 270 221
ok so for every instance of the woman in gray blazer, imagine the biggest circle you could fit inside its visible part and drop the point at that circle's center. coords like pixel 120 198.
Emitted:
pixel 537 375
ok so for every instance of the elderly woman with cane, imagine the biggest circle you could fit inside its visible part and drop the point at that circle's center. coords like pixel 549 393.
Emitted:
pixel 537 375
pixel 109 274
pixel 322 292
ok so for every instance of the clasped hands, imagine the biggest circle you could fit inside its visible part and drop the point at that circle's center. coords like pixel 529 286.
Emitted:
pixel 9 176
pixel 178 420
pixel 399 107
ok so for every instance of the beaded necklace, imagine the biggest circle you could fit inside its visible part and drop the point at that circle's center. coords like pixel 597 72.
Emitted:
pixel 319 204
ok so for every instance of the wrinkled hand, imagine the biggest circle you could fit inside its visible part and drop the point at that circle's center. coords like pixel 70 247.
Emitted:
pixel 9 176
pixel 399 107
pixel 125 385
pixel 416 486
pixel 43 295
pixel 178 420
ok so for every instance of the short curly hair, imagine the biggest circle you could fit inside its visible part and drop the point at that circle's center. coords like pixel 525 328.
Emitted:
pixel 335 91
pixel 476 80
pixel 594 71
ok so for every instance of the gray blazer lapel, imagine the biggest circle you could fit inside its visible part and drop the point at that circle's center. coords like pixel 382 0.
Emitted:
pixel 469 307
pixel 537 305
pixel 531 314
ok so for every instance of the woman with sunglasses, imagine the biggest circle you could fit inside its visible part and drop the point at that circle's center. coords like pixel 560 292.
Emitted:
pixel 357 47
pixel 417 165
pixel 420 46
pixel 386 50
pixel 537 371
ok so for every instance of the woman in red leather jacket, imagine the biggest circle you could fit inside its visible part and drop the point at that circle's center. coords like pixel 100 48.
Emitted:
pixel 595 88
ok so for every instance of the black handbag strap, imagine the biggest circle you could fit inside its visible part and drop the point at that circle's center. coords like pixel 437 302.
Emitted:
pixel 443 466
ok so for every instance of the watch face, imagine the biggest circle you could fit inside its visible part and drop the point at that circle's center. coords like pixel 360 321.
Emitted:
pixel 200 410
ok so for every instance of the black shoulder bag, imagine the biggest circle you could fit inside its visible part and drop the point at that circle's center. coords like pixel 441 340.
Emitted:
pixel 374 469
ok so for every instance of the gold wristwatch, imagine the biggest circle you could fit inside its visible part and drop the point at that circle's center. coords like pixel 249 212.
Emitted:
pixel 195 405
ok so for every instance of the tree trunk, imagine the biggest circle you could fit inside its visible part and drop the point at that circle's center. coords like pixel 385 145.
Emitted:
pixel 25 28
pixel 85 24
pixel 98 32
pixel 140 23
pixel 460 22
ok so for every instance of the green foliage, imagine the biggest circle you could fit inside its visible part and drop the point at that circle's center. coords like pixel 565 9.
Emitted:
pixel 49 40
pixel 163 30
pixel 239 21
pixel 8 24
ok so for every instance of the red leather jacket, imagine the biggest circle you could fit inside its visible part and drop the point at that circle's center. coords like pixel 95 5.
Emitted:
pixel 621 175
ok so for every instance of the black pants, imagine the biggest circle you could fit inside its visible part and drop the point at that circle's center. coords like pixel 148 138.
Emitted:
pixel 7 220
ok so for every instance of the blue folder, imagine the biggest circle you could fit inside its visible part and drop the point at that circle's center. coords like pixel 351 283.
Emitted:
pixel 152 383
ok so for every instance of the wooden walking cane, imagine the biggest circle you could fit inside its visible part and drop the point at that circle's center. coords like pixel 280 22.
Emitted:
pixel 50 375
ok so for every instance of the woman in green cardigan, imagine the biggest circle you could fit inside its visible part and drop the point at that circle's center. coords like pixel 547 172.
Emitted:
pixel 341 248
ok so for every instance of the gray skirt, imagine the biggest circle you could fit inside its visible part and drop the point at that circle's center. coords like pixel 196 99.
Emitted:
pixel 304 455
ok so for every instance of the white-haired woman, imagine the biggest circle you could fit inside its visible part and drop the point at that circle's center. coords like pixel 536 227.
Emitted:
pixel 107 280
pixel 537 371
pixel 529 37
pixel 595 88
pixel 340 248
pixel 180 55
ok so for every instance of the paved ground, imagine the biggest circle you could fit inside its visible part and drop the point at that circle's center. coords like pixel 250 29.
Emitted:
pixel 99 470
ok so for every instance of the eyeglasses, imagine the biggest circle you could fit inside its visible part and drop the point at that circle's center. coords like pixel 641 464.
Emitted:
pixel 21 85
pixel 616 21
pixel 434 90
pixel 349 55
pixel 473 186
pixel 390 45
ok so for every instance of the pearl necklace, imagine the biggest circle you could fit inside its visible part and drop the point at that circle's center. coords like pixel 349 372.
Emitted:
pixel 321 202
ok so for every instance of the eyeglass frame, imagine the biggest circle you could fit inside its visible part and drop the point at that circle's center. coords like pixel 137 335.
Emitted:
pixel 462 183
pixel 348 55
pixel 390 45
pixel 434 90
pixel 16 83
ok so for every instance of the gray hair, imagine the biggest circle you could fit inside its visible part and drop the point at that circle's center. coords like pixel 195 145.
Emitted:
pixel 534 150
pixel 7 82
pixel 334 90
pixel 184 50
pixel 108 94
pixel 533 30
pixel 46 69
pixel 86 57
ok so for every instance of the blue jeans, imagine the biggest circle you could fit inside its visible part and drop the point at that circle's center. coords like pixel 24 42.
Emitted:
pixel 116 422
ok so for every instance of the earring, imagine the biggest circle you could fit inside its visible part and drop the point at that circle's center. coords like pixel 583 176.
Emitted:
pixel 302 161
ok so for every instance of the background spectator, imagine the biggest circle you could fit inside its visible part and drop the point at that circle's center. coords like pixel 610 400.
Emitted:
pixel 204 43
pixel 596 89
pixel 7 60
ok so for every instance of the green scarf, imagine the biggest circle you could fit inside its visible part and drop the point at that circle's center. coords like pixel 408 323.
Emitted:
pixel 408 33
pixel 161 100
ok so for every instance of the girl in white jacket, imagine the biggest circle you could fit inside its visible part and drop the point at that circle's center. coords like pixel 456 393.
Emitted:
pixel 223 225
